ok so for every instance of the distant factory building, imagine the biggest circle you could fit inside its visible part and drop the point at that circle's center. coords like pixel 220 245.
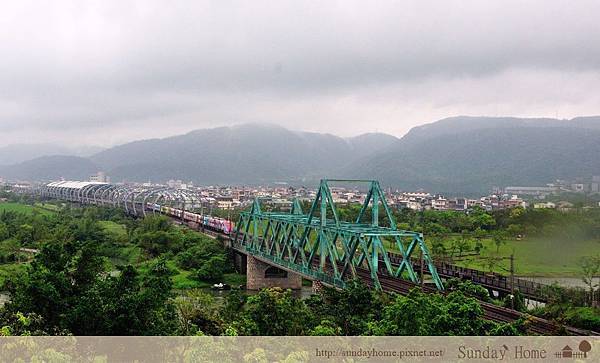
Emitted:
pixel 531 190
pixel 100 177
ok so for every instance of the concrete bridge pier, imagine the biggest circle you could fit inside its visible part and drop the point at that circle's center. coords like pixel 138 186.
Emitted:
pixel 262 275
pixel 240 262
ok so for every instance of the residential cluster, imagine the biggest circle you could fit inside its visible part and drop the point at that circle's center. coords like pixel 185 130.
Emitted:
pixel 281 195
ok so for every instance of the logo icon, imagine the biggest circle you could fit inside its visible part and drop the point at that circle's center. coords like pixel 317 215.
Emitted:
pixel 567 351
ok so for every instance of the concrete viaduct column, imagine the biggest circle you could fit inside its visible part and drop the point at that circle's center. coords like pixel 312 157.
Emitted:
pixel 261 275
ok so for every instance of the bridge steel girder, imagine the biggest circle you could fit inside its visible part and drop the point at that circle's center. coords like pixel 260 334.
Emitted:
pixel 321 246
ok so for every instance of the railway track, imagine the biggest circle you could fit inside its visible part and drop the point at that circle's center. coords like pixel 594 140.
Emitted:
pixel 529 289
pixel 491 312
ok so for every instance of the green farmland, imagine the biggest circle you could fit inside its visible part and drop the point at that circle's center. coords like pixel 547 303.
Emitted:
pixel 542 257
pixel 25 208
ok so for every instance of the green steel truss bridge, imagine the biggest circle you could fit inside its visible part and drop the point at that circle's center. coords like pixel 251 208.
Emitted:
pixel 320 245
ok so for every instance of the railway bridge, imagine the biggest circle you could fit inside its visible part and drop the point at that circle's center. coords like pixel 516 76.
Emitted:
pixel 317 245
pixel 280 249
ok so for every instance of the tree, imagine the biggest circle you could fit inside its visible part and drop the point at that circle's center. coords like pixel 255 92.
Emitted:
pixel 19 324
pixel 468 288
pixel 478 246
pixel 462 243
pixel 155 223
pixel 350 309
pixel 213 269
pixel 275 311
pixel 4 233
pixel 198 312
pixel 516 213
pixel 585 346
pixel 234 303
pixel 158 242
pixel 491 262
pixel 499 239
pixel 590 268
pixel 479 234
pixel 438 248
pixel 127 305
pixel 517 301
pixel 25 235
pixel 198 254
pixel 431 314
pixel 514 230
pixel 326 328
pixel 67 286
pixel 54 280
pixel 10 249
pixel 480 219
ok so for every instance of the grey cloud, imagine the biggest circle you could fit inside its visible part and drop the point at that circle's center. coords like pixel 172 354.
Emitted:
pixel 71 69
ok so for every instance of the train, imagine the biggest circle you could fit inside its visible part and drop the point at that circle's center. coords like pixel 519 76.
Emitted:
pixel 216 224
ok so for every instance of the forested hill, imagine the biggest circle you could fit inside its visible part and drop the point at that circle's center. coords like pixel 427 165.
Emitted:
pixel 471 155
pixel 459 155
pixel 243 154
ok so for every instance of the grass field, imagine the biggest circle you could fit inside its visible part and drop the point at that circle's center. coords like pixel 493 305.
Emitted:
pixel 115 229
pixel 50 207
pixel 543 257
pixel 24 208
pixel 534 257
pixel 185 279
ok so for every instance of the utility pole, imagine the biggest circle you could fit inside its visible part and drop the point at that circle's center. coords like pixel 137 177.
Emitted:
pixel 422 268
pixel 512 281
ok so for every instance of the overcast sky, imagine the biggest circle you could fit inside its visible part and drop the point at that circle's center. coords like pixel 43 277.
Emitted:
pixel 107 72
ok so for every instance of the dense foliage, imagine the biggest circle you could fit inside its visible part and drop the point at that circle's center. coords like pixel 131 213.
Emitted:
pixel 355 311
pixel 72 273
pixel 95 271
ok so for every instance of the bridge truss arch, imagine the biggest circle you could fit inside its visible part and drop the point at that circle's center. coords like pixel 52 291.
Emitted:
pixel 132 198
pixel 321 245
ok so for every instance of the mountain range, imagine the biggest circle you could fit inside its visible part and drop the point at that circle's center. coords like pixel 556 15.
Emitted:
pixel 18 153
pixel 457 155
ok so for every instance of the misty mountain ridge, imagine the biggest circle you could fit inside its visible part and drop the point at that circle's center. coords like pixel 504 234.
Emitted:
pixel 18 153
pixel 461 124
pixel 250 153
pixel 470 155
pixel 463 154
pixel 47 168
